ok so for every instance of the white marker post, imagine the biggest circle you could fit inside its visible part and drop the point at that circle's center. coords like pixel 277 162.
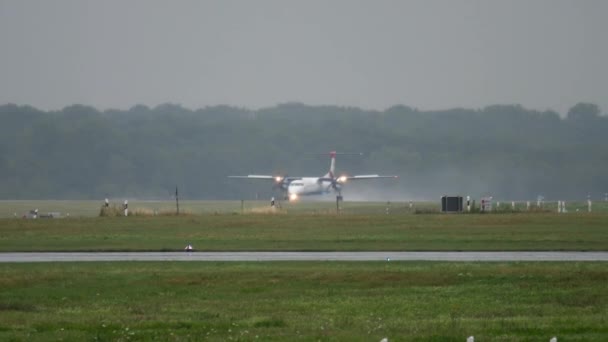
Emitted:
pixel 468 203
pixel 527 205
pixel 589 205
pixel 539 201
pixel 513 205
pixel 559 206
pixel 126 207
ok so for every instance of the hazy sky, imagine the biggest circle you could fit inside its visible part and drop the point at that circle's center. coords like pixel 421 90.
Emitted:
pixel 543 54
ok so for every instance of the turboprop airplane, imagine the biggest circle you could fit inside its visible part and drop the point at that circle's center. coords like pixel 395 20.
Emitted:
pixel 295 187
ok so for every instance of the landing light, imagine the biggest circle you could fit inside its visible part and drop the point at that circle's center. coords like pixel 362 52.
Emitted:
pixel 342 179
pixel 278 179
pixel 293 197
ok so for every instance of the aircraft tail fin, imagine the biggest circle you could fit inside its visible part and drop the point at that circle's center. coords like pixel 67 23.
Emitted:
pixel 332 165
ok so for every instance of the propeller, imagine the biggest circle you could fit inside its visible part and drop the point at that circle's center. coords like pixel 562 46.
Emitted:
pixel 281 182
pixel 336 183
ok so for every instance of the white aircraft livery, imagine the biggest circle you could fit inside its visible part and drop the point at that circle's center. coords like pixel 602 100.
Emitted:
pixel 295 187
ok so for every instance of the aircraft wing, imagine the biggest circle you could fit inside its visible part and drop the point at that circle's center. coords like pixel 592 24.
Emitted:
pixel 269 177
pixel 343 179
pixel 254 176
pixel 368 177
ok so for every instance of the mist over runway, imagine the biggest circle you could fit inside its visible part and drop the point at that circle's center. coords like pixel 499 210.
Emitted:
pixel 304 256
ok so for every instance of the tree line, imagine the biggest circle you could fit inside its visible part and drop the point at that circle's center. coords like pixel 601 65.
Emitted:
pixel 506 151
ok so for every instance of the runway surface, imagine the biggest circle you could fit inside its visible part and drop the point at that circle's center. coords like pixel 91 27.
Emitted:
pixel 303 256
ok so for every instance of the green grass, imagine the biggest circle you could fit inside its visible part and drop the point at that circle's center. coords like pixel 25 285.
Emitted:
pixel 10 209
pixel 235 232
pixel 18 208
pixel 191 301
pixel 358 301
pixel 92 208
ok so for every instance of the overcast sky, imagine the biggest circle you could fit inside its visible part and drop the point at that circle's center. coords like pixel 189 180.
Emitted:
pixel 543 54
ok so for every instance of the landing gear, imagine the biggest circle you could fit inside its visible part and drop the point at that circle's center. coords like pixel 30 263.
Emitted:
pixel 339 199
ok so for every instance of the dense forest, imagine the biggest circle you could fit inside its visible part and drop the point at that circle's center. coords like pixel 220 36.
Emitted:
pixel 506 151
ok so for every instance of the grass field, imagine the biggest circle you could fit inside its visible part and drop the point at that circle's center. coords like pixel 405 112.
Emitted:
pixel 307 301
pixel 303 301
pixel 301 232
pixel 18 208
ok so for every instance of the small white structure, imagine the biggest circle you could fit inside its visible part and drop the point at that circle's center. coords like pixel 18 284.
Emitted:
pixel 471 339
pixel 486 204
pixel 589 205
pixel 188 248
pixel 272 201
pixel 512 205
pixel 527 205
pixel 106 203
pixel 553 339
pixel 126 207
pixel 561 207
pixel 539 201
pixel 468 203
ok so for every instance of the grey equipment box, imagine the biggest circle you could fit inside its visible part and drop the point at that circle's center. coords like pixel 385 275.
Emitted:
pixel 451 204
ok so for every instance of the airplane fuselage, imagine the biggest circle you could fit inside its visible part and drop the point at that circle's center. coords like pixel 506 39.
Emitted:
pixel 308 186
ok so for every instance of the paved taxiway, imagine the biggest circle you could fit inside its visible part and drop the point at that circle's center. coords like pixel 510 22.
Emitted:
pixel 303 256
